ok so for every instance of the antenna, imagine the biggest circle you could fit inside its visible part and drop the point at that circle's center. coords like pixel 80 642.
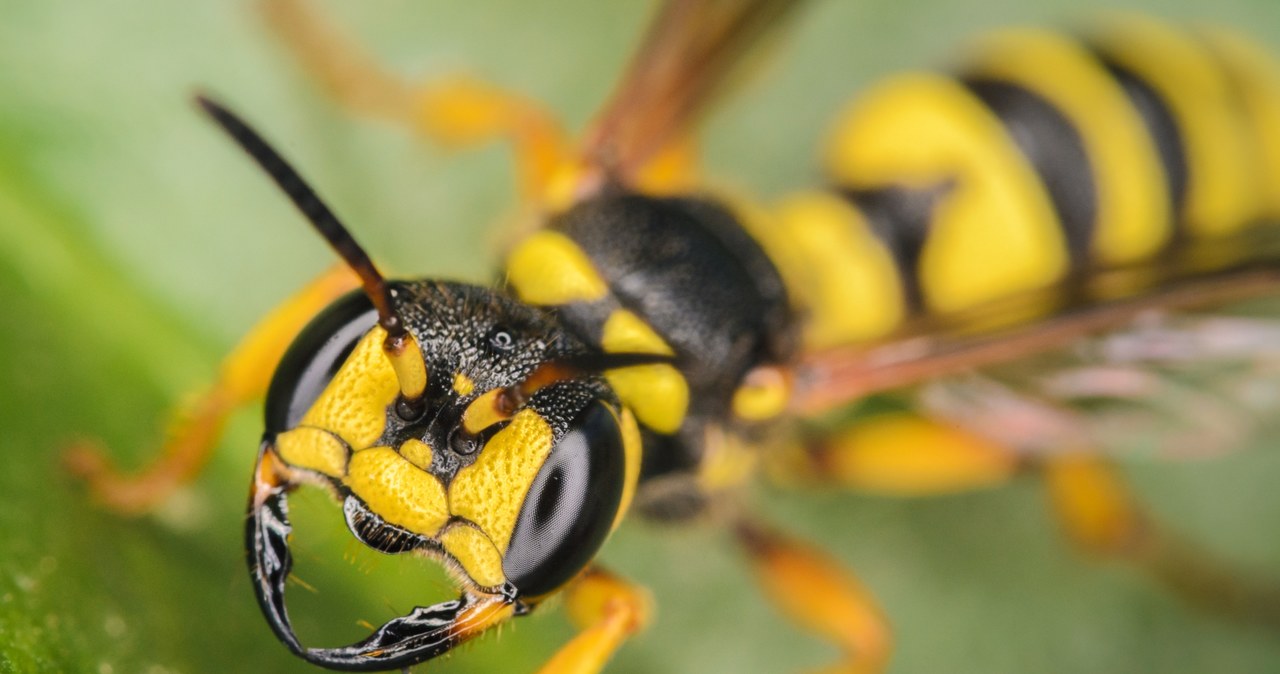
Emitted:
pixel 400 346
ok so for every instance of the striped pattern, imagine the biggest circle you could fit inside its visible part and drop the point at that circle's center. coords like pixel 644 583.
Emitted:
pixel 1045 159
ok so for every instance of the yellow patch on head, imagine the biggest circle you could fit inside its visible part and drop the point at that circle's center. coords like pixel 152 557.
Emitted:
pixel 417 452
pixel 548 268
pixel 354 404
pixel 658 394
pixel 313 449
pixel 491 491
pixel 476 553
pixel 462 384
pixel 398 491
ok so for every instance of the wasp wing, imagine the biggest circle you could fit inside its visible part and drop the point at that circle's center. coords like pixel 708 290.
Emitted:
pixel 684 59
pixel 1170 369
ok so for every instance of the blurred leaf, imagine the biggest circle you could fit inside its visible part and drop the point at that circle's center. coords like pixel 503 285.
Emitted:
pixel 136 245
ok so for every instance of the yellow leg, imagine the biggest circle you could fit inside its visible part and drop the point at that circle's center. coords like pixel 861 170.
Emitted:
pixel 607 610
pixel 901 455
pixel 818 594
pixel 1099 514
pixel 453 111
pixel 194 432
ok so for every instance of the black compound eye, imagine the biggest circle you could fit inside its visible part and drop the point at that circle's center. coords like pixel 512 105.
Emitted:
pixel 501 339
pixel 571 505
pixel 314 358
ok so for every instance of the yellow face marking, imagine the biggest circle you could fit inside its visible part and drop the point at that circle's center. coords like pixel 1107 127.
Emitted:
pixel 462 384
pixel 633 451
pixel 354 404
pixel 1223 190
pixel 417 452
pixel 313 449
pixel 925 130
pixel 763 394
pixel 836 269
pixel 398 491
pixel 1134 215
pixel 658 394
pixel 476 553
pixel 483 412
pixel 548 268
pixel 491 491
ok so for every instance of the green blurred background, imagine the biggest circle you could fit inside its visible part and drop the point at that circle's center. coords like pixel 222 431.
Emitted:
pixel 136 245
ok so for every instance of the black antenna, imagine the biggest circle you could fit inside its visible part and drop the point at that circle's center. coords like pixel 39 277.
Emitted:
pixel 400 345
pixel 314 209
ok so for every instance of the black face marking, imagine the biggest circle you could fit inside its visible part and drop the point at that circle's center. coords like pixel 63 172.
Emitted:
pixel 570 507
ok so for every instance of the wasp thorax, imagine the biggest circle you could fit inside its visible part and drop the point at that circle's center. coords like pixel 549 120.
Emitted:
pixel 510 463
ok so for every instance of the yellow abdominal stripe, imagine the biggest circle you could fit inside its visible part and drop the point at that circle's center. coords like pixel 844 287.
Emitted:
pixel 354 404
pixel 837 271
pixel 1223 193
pixel 1133 206
pixel 995 231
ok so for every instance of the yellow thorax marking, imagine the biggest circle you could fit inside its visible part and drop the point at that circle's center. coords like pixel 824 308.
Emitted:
pixel 548 268
pixel 658 394
pixel 763 394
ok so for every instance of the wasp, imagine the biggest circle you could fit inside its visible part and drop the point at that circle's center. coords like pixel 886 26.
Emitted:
pixel 1005 248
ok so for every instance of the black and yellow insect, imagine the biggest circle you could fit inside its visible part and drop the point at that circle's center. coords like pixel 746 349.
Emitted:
pixel 686 331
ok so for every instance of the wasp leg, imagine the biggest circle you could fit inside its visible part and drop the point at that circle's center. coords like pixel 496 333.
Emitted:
pixel 607 610
pixel 194 431
pixel 900 454
pixel 818 594
pixel 1100 515
pixel 453 111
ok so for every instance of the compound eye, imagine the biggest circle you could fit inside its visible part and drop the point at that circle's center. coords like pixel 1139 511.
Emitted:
pixel 570 508
pixel 314 358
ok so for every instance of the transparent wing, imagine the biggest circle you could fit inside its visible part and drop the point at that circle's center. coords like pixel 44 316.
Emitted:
pixel 1166 386
pixel 1187 370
